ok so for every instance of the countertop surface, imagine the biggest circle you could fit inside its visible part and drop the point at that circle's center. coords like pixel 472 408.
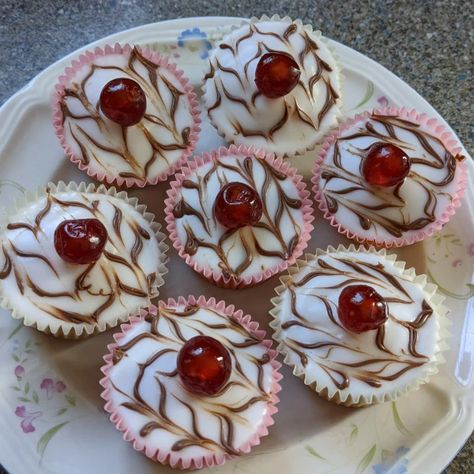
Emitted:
pixel 429 44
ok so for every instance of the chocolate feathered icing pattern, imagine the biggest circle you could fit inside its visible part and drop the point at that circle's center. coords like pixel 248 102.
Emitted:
pixel 244 115
pixel 239 253
pixel 380 360
pixel 140 152
pixel 147 393
pixel 38 282
pixel 393 213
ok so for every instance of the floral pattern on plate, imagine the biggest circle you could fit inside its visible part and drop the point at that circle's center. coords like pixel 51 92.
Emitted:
pixel 195 41
pixel 373 440
pixel 44 403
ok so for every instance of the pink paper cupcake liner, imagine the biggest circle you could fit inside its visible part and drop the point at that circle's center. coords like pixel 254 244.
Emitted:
pixel 174 459
pixel 87 58
pixel 215 275
pixel 437 129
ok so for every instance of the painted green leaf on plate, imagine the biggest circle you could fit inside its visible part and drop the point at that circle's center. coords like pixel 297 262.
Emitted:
pixel 354 433
pixel 313 452
pixel 366 460
pixel 386 454
pixel 46 438
pixel 463 296
pixel 368 94
pixel 71 400
pixel 13 184
pixel 398 421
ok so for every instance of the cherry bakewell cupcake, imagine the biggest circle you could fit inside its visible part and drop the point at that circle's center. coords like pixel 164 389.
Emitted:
pixel 389 177
pixel 358 327
pixel 238 216
pixel 275 84
pixel 126 115
pixel 191 383
pixel 76 260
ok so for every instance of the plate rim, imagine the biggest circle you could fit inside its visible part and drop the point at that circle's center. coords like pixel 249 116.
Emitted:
pixel 460 432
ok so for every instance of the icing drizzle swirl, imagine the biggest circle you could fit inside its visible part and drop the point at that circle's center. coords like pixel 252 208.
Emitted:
pixel 144 380
pixel 283 125
pixel 309 329
pixel 142 151
pixel 120 282
pixel 388 213
pixel 238 253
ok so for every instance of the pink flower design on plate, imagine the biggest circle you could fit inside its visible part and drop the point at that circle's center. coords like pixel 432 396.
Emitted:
pixel 19 371
pixel 470 249
pixel 456 263
pixel 28 418
pixel 383 101
pixel 51 387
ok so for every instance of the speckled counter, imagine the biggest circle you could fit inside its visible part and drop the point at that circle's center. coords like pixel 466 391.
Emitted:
pixel 427 43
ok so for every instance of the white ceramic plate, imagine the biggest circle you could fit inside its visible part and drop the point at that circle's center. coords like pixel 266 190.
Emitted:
pixel 51 414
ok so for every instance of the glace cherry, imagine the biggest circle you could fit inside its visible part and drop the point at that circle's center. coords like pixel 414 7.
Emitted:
pixel 277 74
pixel 237 205
pixel 204 365
pixel 80 241
pixel 123 101
pixel 385 165
pixel 361 308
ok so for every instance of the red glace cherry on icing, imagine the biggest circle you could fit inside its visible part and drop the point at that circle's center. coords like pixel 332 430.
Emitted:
pixel 361 308
pixel 277 74
pixel 80 241
pixel 123 101
pixel 385 165
pixel 237 205
pixel 204 365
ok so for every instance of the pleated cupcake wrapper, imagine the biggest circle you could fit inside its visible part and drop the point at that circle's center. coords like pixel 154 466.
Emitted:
pixel 87 58
pixel 63 329
pixel 333 394
pixel 438 130
pixel 215 275
pixel 175 459
pixel 316 34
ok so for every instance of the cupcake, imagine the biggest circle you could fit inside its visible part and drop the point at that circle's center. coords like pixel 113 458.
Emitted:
pixel 389 177
pixel 357 327
pixel 237 216
pixel 76 260
pixel 191 383
pixel 273 84
pixel 125 115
